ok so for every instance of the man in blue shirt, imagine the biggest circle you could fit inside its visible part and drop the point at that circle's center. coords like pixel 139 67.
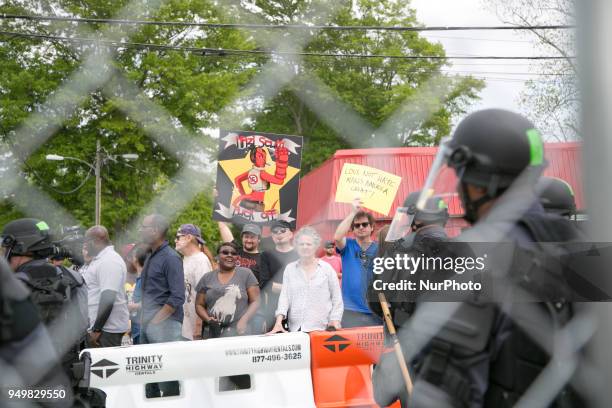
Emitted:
pixel 357 262
pixel 163 295
pixel 163 285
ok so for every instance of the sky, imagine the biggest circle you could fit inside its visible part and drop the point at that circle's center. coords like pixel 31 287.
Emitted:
pixel 504 78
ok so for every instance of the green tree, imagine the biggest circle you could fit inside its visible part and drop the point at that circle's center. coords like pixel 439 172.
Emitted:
pixel 193 89
pixel 374 88
pixel 190 87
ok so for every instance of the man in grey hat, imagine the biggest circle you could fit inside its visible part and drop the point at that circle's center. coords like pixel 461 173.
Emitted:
pixel 249 255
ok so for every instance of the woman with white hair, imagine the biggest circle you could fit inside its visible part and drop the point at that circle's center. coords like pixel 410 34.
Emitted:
pixel 310 298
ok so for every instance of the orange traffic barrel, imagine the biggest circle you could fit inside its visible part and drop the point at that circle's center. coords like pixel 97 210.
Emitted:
pixel 342 366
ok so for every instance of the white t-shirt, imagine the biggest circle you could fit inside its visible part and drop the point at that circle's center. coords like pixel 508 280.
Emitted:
pixel 107 271
pixel 194 266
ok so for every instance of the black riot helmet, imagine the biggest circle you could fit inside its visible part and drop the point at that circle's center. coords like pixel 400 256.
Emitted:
pixel 26 236
pixel 434 210
pixel 489 149
pixel 413 215
pixel 492 147
pixel 557 196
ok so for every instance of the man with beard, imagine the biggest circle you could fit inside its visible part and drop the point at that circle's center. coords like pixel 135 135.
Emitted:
pixel 273 263
pixel 249 255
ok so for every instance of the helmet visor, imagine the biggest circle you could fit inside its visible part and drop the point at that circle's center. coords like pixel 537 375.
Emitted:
pixel 6 244
pixel 400 225
pixel 441 182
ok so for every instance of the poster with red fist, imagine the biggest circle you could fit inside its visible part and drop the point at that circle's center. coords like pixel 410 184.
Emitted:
pixel 258 177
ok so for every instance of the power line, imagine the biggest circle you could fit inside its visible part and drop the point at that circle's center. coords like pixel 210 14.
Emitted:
pixel 225 51
pixel 479 39
pixel 278 26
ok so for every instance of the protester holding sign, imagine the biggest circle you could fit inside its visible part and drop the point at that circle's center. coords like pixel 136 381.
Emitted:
pixel 376 188
pixel 357 262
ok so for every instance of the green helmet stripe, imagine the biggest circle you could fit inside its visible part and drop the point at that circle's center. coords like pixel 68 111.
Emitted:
pixel 441 205
pixel 42 226
pixel 536 148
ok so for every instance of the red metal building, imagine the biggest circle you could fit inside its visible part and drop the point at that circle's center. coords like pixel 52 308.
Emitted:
pixel 316 205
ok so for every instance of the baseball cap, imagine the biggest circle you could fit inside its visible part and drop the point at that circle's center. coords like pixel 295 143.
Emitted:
pixel 329 244
pixel 190 229
pixel 252 228
pixel 281 224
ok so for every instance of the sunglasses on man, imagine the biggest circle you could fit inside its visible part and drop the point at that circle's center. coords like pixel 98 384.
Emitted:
pixel 361 225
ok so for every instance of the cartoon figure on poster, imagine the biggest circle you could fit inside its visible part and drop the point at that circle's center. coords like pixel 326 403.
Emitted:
pixel 259 180
pixel 258 177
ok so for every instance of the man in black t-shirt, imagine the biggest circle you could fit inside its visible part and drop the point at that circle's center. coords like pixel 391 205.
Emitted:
pixel 249 255
pixel 272 266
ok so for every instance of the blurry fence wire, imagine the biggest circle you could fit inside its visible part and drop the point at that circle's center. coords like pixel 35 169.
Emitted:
pixel 97 72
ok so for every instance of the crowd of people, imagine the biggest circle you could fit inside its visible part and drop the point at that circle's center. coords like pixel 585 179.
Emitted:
pixel 187 293
pixel 239 290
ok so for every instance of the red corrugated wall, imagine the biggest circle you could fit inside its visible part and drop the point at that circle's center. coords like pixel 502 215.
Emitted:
pixel 316 204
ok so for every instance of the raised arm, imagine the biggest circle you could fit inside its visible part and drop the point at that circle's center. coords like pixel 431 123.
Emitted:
pixel 345 225
pixel 225 232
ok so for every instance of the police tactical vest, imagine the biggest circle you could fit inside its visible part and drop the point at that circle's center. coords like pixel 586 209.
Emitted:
pixel 59 294
pixel 520 360
pixel 462 349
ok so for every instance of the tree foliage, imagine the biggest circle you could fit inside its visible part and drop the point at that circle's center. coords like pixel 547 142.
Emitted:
pixel 374 88
pixel 189 87
pixel 193 89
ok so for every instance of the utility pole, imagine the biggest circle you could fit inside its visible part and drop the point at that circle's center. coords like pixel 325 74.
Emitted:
pixel 97 166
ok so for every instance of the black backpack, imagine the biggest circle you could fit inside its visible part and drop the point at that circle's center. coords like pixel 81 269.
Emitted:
pixel 60 296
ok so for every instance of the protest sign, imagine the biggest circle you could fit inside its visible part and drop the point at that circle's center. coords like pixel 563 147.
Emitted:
pixel 257 177
pixel 376 188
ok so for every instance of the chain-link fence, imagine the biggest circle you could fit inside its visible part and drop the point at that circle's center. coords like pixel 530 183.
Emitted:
pixel 569 362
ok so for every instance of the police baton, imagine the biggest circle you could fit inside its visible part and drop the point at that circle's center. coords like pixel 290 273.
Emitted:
pixel 396 344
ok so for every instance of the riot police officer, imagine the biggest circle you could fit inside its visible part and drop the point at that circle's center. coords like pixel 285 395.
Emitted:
pixel 58 293
pixel 480 357
pixel 28 358
pixel 416 232
pixel 413 231
pixel 557 196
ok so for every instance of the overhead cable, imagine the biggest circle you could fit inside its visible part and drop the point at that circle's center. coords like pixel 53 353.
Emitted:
pixel 278 26
pixel 226 51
